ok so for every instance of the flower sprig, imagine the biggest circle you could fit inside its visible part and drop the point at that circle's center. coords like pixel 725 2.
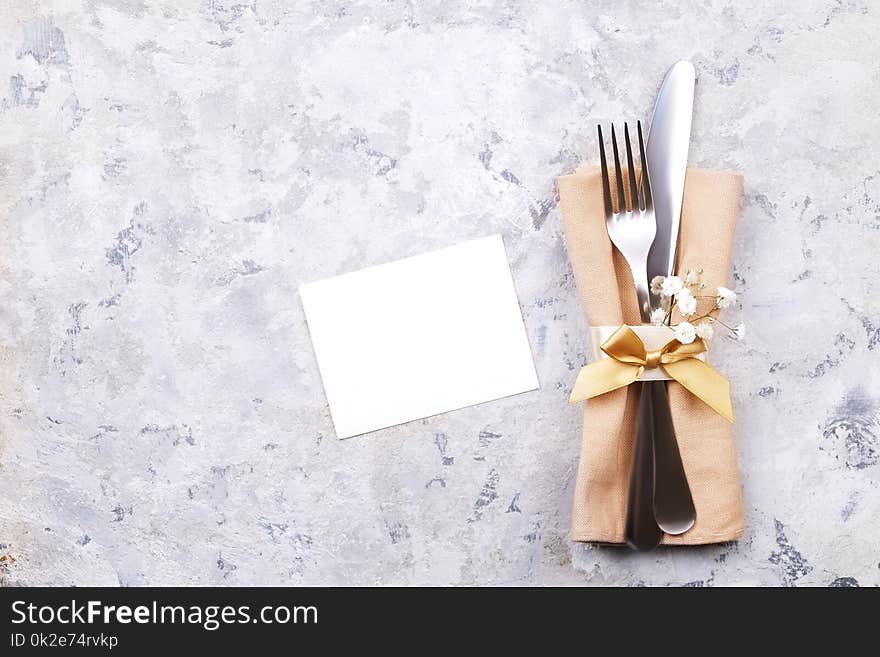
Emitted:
pixel 681 294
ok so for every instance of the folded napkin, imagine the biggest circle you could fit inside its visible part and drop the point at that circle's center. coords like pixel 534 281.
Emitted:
pixel 608 296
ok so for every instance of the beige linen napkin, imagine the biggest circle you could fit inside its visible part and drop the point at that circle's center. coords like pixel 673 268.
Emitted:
pixel 607 294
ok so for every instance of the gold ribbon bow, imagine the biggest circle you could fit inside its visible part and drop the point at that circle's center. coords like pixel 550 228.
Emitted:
pixel 629 358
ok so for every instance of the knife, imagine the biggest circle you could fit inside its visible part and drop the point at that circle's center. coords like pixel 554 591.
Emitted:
pixel 667 153
pixel 669 138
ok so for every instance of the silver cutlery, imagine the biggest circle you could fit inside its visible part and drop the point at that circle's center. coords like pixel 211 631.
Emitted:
pixel 631 229
pixel 667 154
pixel 669 137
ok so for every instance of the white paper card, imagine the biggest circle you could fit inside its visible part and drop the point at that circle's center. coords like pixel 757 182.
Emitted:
pixel 419 336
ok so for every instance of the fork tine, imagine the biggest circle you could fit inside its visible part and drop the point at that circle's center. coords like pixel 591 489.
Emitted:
pixel 631 171
pixel 646 182
pixel 621 198
pixel 606 186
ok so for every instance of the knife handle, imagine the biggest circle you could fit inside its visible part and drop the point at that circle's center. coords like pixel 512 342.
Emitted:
pixel 641 531
pixel 673 504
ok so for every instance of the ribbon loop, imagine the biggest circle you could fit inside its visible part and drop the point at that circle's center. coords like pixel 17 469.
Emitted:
pixel 652 359
pixel 628 358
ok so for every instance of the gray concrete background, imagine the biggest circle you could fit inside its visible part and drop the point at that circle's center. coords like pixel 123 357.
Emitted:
pixel 170 172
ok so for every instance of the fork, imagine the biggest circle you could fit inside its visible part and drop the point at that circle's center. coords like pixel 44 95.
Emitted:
pixel 632 228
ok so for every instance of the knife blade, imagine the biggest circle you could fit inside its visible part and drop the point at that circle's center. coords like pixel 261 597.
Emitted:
pixel 667 155
pixel 669 139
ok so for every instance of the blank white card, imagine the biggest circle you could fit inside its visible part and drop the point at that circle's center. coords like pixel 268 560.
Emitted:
pixel 419 336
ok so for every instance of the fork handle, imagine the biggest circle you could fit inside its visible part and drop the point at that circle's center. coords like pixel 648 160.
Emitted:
pixel 640 278
pixel 641 531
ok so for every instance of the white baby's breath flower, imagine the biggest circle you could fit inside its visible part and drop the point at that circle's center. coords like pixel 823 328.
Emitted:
pixel 671 286
pixel 685 332
pixel 705 331
pixel 739 331
pixel 692 277
pixel 687 303
pixel 657 284
pixel 657 316
pixel 725 297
